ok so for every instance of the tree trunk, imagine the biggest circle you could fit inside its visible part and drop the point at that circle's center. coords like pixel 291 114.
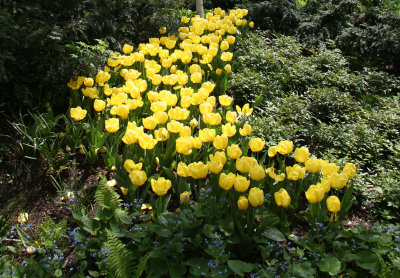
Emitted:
pixel 200 8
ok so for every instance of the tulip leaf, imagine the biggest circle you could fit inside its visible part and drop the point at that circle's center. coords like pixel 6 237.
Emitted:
pixel 367 259
pixel 207 231
pixel 239 267
pixel 182 186
pixel 226 226
pixel 171 176
pixel 330 264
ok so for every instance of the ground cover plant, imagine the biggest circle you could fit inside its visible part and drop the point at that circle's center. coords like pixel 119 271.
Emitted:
pixel 194 188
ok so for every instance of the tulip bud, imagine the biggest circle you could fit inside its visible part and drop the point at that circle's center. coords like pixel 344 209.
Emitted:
pixel 184 197
pixel 243 203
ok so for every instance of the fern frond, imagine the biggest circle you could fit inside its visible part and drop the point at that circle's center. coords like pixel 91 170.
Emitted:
pixel 106 196
pixel 119 258
pixel 142 265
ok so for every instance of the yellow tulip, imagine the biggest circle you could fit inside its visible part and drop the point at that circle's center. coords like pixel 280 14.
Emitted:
pixel 257 173
pixel 220 142
pixel 282 198
pixel 256 144
pixel 184 197
pixel 88 82
pixel 225 100
pixel 193 123
pixel 226 181
pixel 231 117
pixel 127 49
pixel 241 183
pixel 315 194
pixel 174 126
pixel 272 151
pixel 183 170
pixel 228 68
pixel 251 24
pixel 178 113
pixel 150 122
pixel 205 108
pixel 329 169
pixel 90 92
pixel 228 129
pixel 285 147
pixel 226 56
pixel 138 177
pixel 313 165
pixel 333 204
pixel 246 130
pixel 234 151
pixel 130 166
pixel 212 119
pixel 245 111
pixel 102 77
pixel 256 197
pixel 339 180
pixel 112 125
pixel 78 113
pixel 161 117
pixel 243 203
pixel 295 172
pixel 196 77
pixel 160 186
pixel 184 145
pixel 301 154
pixel 350 170
pixel 207 135
pixel 147 142
pixel 198 170
pixel 161 134
pixel 99 105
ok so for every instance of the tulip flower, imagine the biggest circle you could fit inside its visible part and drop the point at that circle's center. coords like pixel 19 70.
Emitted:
pixel 282 198
pixel 243 203
pixel 78 113
pixel 256 197
pixel 160 186
pixel 184 197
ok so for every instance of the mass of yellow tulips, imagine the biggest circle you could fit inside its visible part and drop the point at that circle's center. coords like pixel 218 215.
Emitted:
pixel 167 97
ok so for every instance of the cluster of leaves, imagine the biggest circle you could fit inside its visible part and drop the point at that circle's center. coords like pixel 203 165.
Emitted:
pixel 366 31
pixel 311 96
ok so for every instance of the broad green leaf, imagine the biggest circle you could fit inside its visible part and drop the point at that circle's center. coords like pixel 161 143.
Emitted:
pixel 367 259
pixel 198 266
pixel 275 234
pixel 239 267
pixel 330 264
pixel 226 226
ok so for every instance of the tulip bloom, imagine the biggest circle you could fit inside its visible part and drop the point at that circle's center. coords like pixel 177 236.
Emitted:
pixel 241 183
pixel 184 197
pixel 285 147
pixel 112 125
pixel 301 154
pixel 138 177
pixel 198 170
pixel 313 165
pixel 256 144
pixel 160 186
pixel 282 198
pixel 226 181
pixel 350 170
pixel 333 204
pixel 257 173
pixel 315 194
pixel 78 113
pixel 220 142
pixel 256 197
pixel 243 203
